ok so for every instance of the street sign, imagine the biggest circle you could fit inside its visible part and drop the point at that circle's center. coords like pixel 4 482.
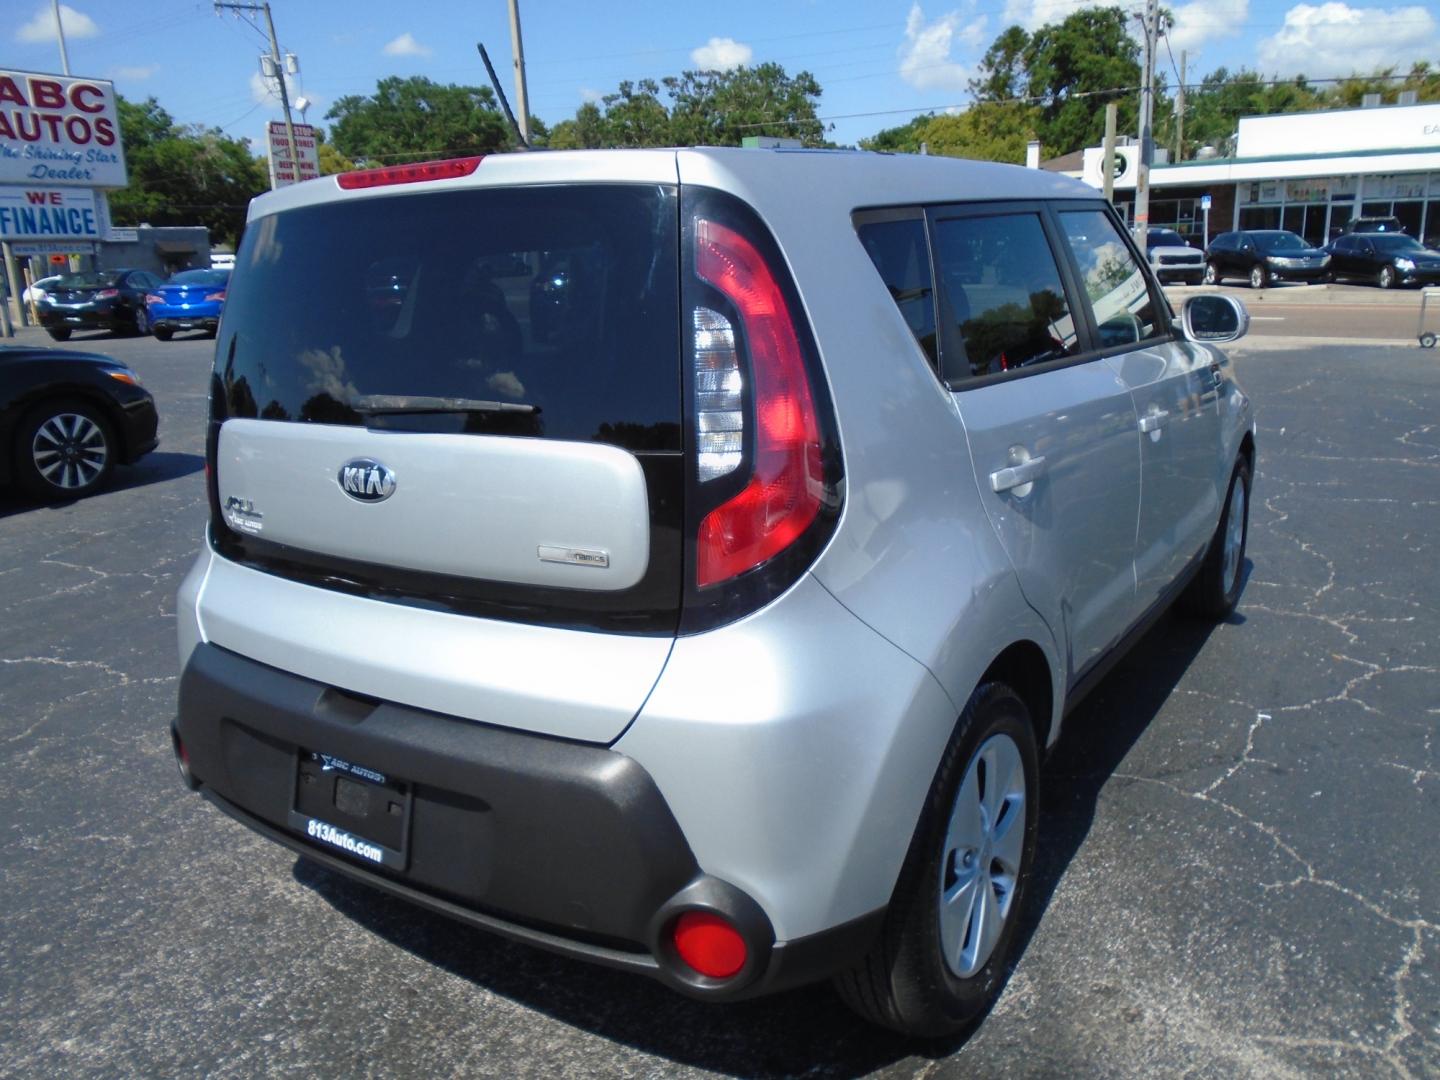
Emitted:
pixel 48 214
pixel 1204 202
pixel 59 130
pixel 306 163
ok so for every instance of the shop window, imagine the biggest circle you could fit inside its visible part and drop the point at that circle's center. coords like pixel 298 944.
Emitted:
pixel 1410 214
pixel 1260 217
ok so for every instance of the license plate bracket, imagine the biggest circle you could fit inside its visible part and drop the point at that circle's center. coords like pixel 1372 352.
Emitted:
pixel 352 809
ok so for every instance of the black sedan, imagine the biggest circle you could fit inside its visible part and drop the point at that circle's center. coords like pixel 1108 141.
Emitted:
pixel 1264 255
pixel 1387 259
pixel 98 300
pixel 67 419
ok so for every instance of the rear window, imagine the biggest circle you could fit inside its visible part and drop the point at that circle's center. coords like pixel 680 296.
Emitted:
pixel 199 277
pixel 562 300
pixel 90 279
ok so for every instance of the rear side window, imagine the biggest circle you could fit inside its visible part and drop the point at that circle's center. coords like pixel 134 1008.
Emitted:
pixel 559 302
pixel 1115 286
pixel 901 255
pixel 1001 294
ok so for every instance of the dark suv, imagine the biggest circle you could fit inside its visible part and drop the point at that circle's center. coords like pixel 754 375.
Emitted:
pixel 1263 256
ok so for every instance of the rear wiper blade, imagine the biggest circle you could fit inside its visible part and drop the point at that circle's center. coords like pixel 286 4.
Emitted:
pixel 381 404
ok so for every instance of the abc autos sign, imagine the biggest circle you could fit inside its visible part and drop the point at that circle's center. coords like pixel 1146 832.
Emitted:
pixel 59 130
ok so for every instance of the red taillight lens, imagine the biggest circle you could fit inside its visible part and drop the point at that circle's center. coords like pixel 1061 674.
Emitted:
pixel 219 297
pixel 784 493
pixel 154 298
pixel 107 294
pixel 409 174
pixel 709 944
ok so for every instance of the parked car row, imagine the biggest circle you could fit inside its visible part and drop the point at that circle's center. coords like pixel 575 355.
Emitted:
pixel 131 302
pixel 1263 256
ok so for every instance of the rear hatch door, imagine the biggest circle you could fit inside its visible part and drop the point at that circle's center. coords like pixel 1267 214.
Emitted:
pixel 459 403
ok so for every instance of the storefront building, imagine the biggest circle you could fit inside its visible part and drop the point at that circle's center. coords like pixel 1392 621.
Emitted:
pixel 1306 172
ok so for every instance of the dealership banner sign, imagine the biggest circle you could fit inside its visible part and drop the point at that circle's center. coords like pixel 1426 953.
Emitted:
pixel 59 130
pixel 48 214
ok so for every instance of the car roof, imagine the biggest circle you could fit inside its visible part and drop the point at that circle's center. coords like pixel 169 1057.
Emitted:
pixel 856 178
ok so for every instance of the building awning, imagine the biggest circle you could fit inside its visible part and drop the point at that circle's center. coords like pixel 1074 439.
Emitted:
pixel 174 247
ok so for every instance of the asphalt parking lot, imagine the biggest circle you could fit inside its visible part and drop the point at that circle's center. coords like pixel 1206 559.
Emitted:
pixel 1238 871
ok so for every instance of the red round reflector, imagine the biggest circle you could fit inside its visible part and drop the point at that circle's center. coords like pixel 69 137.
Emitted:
pixel 709 944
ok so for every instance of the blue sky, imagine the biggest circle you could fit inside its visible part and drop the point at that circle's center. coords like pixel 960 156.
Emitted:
pixel 878 61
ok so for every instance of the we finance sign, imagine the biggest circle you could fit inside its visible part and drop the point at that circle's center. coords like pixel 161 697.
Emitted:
pixel 51 214
pixel 59 130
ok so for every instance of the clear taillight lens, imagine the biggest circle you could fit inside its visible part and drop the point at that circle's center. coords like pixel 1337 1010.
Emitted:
pixel 719 386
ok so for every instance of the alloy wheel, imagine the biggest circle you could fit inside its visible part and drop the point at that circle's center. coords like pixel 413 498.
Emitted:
pixel 69 451
pixel 1234 536
pixel 984 844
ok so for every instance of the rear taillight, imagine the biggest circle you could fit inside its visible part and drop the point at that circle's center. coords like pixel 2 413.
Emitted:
pixel 218 297
pixel 154 298
pixel 107 294
pixel 786 478
pixel 763 490
pixel 409 174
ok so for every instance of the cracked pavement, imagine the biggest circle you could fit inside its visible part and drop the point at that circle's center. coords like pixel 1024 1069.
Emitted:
pixel 1237 876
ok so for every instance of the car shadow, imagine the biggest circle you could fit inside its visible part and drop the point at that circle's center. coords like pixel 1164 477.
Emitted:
pixel 154 468
pixel 807 1031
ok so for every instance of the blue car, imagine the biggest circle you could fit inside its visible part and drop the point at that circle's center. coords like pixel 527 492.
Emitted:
pixel 190 300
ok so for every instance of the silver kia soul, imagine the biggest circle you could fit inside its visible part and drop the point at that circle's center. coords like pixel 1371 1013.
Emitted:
pixel 679 560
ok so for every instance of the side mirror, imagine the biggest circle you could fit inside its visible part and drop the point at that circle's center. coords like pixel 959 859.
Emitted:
pixel 1214 318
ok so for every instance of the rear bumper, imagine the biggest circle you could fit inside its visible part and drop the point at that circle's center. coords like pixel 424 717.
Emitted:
pixel 565 846
pixel 105 318
pixel 183 321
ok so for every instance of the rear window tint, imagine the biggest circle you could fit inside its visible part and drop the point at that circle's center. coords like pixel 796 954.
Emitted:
pixel 199 277
pixel 560 298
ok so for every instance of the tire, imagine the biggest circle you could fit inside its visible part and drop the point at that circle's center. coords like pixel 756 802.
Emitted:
pixel 164 333
pixel 1259 277
pixel 1212 274
pixel 906 983
pixel 1386 278
pixel 141 327
pixel 1216 589
pixel 64 449
pixel 59 333
pixel 1427 341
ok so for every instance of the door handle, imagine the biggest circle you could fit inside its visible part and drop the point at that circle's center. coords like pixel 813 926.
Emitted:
pixel 1154 421
pixel 1014 476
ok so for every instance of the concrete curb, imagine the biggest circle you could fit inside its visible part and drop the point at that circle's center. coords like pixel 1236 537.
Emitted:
pixel 1340 295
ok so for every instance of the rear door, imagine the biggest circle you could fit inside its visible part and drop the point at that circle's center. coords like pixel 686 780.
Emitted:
pixel 461 403
pixel 1051 427
pixel 1174 387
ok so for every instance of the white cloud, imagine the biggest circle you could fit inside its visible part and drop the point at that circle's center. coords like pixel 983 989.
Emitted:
pixel 721 54
pixel 41 29
pixel 1207 20
pixel 925 60
pixel 1032 14
pixel 406 45
pixel 1336 39
pixel 590 96
pixel 135 74
pixel 263 90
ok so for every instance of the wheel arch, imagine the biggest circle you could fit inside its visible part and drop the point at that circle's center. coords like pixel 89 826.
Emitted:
pixel 1024 667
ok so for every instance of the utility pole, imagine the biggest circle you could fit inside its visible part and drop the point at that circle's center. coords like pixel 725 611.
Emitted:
pixel 1180 113
pixel 220 5
pixel 522 98
pixel 1147 134
pixel 1107 161
pixel 60 36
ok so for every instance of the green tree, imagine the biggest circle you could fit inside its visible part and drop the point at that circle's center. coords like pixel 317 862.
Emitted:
pixel 987 131
pixel 1001 75
pixel 1073 69
pixel 695 108
pixel 416 119
pixel 720 108
pixel 184 175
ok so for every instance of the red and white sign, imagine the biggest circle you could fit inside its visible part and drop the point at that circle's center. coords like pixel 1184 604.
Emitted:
pixel 304 165
pixel 59 130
